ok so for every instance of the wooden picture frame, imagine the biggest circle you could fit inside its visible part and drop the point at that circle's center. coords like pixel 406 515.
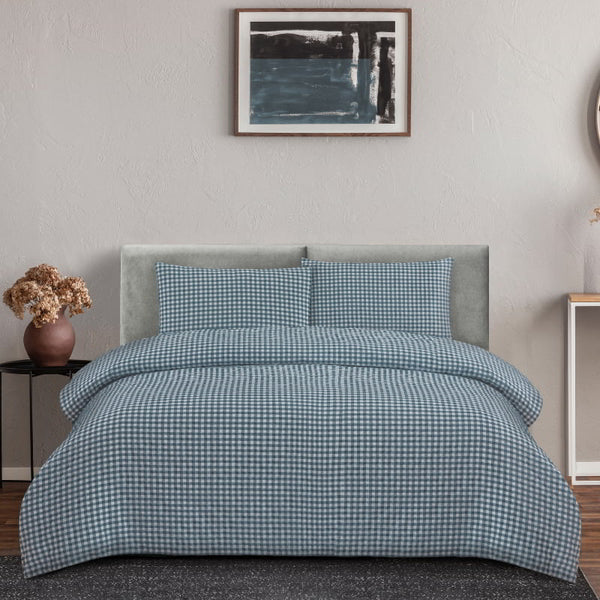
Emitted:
pixel 323 72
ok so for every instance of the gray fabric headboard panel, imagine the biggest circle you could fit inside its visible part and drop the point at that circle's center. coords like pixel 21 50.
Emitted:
pixel 139 298
pixel 470 279
pixel 139 293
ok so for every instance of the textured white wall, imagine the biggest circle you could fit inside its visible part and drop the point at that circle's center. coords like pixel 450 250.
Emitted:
pixel 115 128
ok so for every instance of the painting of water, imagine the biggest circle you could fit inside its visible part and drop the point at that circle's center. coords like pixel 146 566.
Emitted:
pixel 323 72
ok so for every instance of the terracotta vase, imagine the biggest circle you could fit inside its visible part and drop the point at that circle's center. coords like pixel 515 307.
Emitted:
pixel 52 344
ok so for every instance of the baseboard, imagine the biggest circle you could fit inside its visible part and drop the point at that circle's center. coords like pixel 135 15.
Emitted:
pixel 584 469
pixel 587 469
pixel 17 473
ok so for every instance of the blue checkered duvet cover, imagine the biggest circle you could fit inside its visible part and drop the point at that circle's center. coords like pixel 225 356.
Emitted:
pixel 300 441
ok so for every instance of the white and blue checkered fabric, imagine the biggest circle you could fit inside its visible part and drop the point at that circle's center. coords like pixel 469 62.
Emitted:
pixel 195 298
pixel 300 441
pixel 412 297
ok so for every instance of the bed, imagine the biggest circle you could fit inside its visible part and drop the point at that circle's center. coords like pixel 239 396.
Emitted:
pixel 291 427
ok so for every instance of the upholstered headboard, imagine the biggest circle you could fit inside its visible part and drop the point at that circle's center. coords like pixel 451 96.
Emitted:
pixel 139 298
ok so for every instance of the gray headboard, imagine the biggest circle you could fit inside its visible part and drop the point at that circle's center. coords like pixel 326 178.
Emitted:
pixel 139 298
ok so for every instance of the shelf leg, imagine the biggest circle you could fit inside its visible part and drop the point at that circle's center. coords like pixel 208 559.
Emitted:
pixel 571 389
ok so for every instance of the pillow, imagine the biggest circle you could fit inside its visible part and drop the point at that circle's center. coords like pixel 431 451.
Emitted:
pixel 194 298
pixel 412 297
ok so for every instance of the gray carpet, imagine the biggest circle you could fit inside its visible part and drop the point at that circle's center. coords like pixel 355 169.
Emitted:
pixel 261 578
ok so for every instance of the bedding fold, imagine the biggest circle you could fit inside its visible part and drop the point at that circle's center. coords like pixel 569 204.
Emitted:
pixel 300 441
pixel 356 347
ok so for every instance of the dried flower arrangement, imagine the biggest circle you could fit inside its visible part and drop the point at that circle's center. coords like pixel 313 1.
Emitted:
pixel 44 292
pixel 596 212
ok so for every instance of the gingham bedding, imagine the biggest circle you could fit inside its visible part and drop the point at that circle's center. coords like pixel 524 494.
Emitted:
pixel 300 441
pixel 196 298
pixel 409 296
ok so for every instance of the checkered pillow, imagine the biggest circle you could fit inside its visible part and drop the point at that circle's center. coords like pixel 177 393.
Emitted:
pixel 194 298
pixel 412 297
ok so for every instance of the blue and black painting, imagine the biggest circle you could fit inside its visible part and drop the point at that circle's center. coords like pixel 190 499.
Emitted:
pixel 322 72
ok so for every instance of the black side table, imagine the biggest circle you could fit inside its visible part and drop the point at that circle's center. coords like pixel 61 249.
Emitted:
pixel 26 367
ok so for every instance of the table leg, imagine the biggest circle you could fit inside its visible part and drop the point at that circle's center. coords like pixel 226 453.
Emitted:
pixel 1 479
pixel 31 425
pixel 571 390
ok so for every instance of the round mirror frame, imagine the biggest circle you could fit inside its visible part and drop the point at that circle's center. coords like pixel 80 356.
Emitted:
pixel 598 116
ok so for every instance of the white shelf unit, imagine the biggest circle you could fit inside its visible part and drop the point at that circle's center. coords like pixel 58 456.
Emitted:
pixel 577 469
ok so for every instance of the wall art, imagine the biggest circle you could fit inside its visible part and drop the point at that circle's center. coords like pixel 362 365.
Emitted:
pixel 323 72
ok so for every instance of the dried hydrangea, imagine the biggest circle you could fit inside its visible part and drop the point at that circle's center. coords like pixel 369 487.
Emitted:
pixel 44 293
pixel 72 292
pixel 43 275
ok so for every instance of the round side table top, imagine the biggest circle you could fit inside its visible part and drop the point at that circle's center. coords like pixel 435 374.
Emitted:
pixel 26 367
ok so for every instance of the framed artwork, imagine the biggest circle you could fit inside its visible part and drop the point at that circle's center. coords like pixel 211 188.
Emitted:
pixel 323 72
